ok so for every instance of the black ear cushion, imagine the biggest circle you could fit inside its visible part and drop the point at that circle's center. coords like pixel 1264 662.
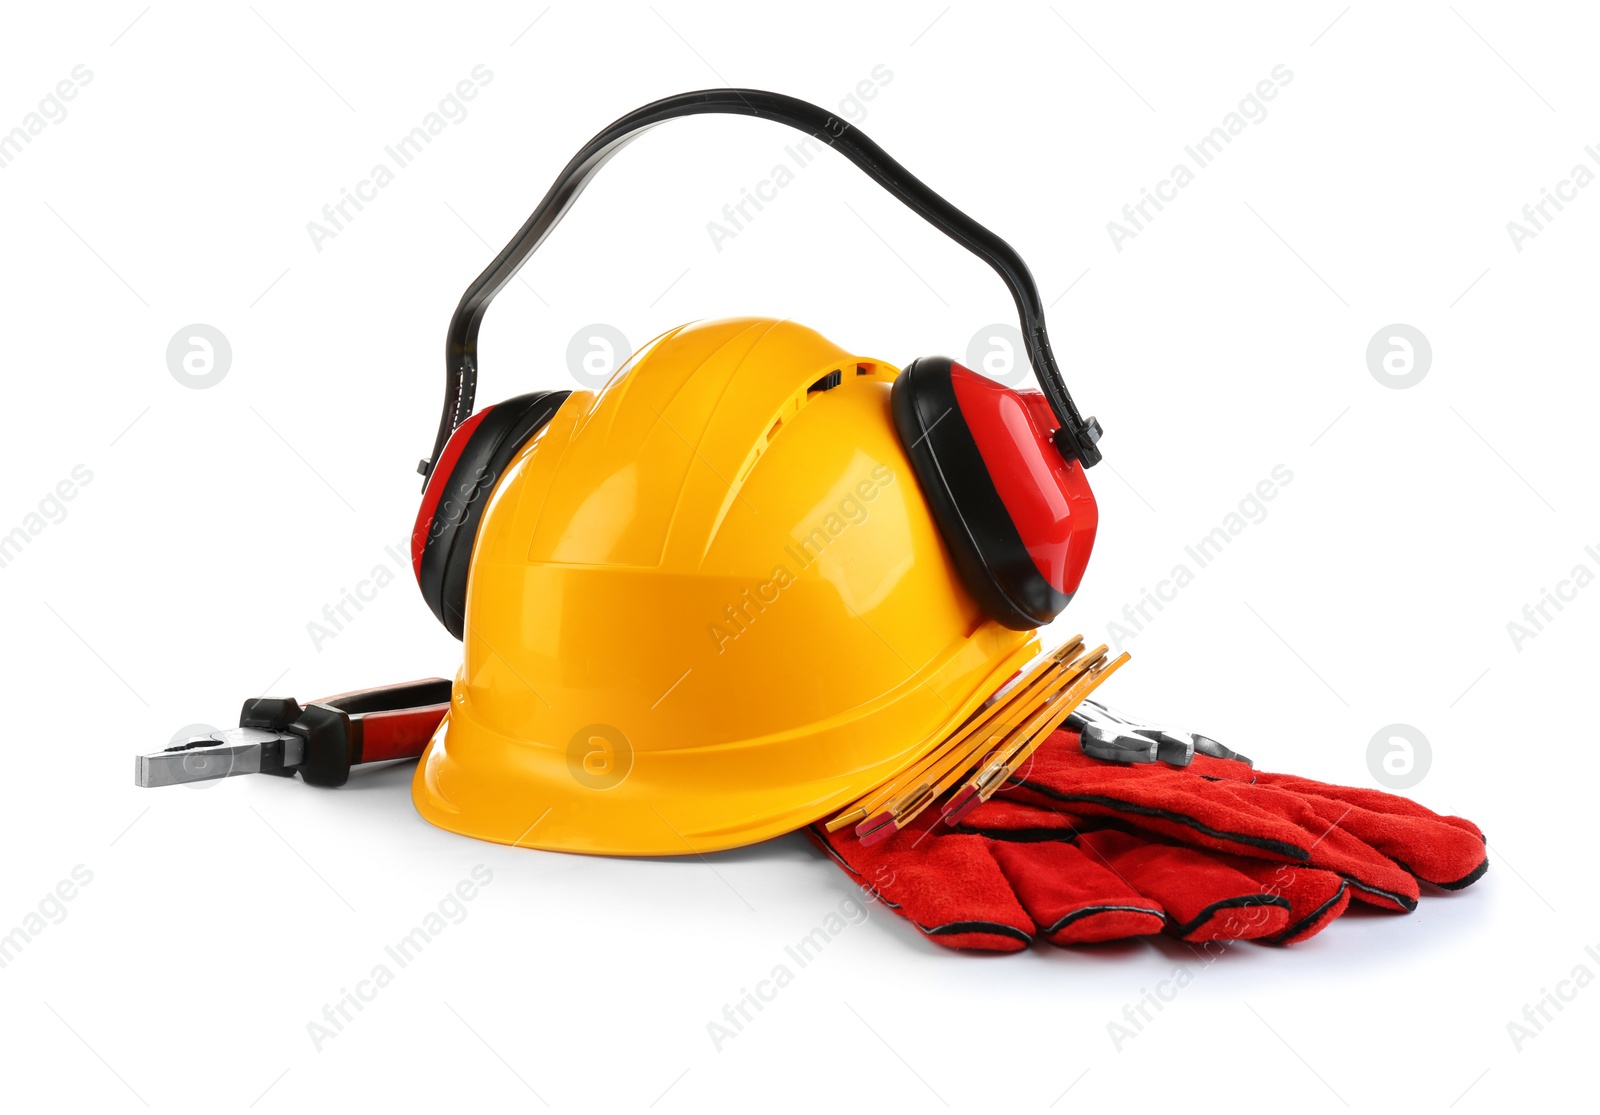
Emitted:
pixel 977 529
pixel 447 552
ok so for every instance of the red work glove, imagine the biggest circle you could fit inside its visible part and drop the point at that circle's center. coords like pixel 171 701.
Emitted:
pixel 1082 850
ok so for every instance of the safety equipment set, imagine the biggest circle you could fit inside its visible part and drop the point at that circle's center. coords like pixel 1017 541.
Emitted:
pixel 759 583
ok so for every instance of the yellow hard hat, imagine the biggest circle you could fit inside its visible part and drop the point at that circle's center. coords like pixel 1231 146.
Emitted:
pixel 707 605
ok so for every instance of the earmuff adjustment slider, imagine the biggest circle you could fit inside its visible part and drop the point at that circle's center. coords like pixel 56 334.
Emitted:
pixel 1082 444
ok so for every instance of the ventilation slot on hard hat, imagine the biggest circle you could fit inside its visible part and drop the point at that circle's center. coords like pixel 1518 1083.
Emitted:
pixel 826 383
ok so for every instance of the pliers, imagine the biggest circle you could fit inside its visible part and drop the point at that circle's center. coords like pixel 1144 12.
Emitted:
pixel 321 741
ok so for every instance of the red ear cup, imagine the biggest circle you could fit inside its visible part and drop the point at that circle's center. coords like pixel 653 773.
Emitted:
pixel 458 489
pixel 439 486
pixel 1018 517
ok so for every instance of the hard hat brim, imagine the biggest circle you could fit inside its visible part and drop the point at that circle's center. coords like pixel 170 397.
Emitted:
pixel 479 782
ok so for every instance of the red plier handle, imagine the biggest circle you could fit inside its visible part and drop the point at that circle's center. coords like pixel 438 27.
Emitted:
pixel 391 721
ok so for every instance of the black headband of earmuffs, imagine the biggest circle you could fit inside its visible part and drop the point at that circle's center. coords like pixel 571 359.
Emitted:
pixel 1075 439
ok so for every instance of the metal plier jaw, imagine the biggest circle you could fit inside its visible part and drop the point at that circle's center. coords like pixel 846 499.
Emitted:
pixel 219 755
pixel 1117 738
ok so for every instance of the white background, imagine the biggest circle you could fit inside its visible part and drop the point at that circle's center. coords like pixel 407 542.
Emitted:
pixel 1226 338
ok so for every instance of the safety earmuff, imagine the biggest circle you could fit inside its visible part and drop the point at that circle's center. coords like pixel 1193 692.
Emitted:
pixel 453 501
pixel 1002 470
